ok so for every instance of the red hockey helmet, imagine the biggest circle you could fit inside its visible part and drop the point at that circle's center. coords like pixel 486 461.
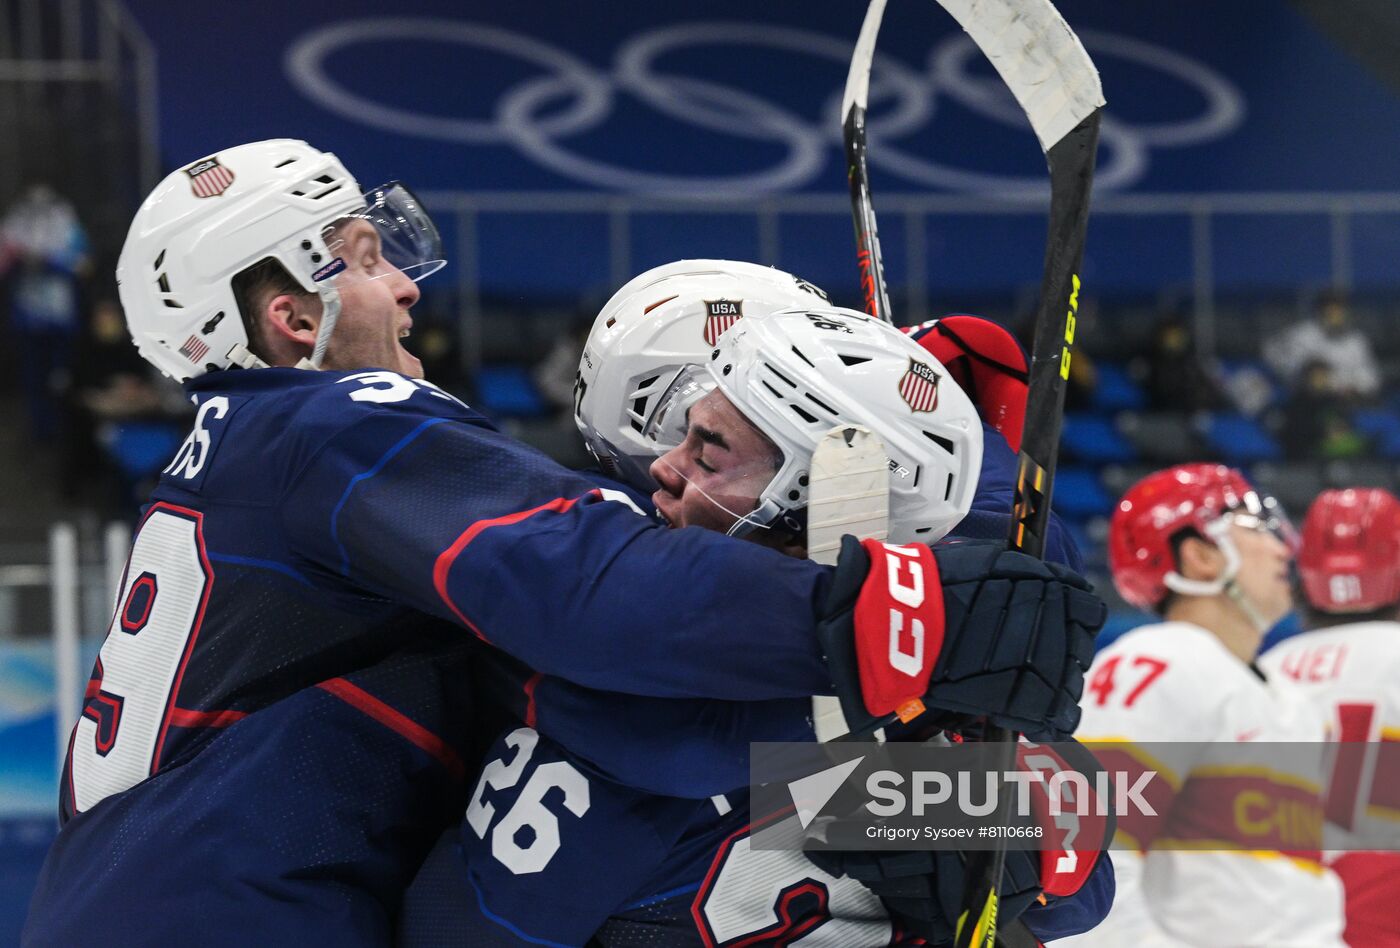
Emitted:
pixel 1158 507
pixel 1350 561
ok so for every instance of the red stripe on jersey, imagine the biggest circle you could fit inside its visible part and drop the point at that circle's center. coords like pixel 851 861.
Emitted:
pixel 530 685
pixel 396 721
pixel 443 566
pixel 185 717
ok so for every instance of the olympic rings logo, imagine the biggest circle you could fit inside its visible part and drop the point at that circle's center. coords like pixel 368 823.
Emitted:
pixel 571 96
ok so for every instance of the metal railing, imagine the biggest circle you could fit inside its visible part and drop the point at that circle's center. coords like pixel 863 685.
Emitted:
pixel 51 49
pixel 81 576
pixel 461 210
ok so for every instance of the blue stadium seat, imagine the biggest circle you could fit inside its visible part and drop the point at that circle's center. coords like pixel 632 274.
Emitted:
pixel 1116 390
pixel 1094 439
pixel 141 448
pixel 1277 392
pixel 1240 440
pixel 1079 495
pixel 1382 426
pixel 507 391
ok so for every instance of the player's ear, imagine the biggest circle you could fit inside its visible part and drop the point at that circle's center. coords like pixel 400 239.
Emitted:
pixel 293 318
pixel 1198 558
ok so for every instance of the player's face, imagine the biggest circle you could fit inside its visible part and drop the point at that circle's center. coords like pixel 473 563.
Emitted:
pixel 1263 575
pixel 375 297
pixel 716 475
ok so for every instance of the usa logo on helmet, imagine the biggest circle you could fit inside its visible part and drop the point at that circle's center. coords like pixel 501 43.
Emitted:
pixel 719 316
pixel 919 387
pixel 208 178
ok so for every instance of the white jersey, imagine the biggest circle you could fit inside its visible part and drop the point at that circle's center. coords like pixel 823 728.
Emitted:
pixel 1152 699
pixel 1351 673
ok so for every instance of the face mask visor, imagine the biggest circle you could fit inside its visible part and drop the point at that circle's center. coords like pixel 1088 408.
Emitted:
pixel 389 234
pixel 1264 513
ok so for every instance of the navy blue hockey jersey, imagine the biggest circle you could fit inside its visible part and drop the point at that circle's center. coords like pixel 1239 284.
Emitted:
pixel 314 531
pixel 616 820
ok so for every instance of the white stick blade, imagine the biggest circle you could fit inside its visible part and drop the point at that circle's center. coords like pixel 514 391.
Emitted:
pixel 1039 58
pixel 858 78
pixel 848 491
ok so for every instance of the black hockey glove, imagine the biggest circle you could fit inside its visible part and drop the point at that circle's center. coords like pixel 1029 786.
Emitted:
pixel 966 628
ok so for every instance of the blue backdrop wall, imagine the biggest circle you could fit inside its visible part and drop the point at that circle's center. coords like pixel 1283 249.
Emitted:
pixel 725 97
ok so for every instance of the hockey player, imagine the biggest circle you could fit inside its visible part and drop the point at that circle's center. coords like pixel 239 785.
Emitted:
pixel 678 865
pixel 318 529
pixel 1349 666
pixel 1198 545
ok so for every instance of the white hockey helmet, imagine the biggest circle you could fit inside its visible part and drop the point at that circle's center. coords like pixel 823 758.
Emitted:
pixel 797 373
pixel 660 322
pixel 212 219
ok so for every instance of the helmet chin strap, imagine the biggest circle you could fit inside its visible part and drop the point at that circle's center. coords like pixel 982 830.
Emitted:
pixel 330 313
pixel 1218 533
pixel 1236 594
pixel 759 519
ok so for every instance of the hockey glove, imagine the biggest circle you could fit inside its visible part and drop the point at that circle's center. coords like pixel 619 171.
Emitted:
pixel 924 891
pixel 966 627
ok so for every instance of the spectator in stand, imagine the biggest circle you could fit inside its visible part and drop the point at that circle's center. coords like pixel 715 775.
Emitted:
pixel 1176 378
pixel 1331 339
pixel 1316 419
pixel 44 251
pixel 112 384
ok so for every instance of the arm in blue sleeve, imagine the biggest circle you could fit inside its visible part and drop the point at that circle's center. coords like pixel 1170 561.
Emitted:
pixel 678 748
pixel 1078 913
pixel 460 521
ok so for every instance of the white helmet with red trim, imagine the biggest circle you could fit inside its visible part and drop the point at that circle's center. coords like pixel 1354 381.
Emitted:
pixel 660 322
pixel 212 219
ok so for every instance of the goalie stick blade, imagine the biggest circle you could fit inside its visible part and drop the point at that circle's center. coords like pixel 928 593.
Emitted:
pixel 1039 58
pixel 848 493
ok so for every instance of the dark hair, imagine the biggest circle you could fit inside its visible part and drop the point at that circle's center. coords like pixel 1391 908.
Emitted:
pixel 252 288
pixel 1177 540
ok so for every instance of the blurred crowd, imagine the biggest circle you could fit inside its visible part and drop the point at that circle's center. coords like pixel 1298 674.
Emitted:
pixel 94 421
pixel 97 424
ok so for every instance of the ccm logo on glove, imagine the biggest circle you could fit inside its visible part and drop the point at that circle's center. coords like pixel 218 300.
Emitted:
pixel 901 603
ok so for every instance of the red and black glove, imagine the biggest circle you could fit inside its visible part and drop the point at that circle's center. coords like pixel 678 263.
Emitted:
pixel 966 627
pixel 923 890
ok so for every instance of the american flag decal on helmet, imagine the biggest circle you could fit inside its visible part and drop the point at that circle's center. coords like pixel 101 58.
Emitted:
pixel 208 178
pixel 719 316
pixel 194 349
pixel 919 387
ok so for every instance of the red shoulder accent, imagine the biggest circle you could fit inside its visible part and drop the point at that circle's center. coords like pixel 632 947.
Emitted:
pixel 443 566
pixel 398 722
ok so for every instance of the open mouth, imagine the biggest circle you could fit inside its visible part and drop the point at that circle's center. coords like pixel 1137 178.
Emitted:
pixel 656 500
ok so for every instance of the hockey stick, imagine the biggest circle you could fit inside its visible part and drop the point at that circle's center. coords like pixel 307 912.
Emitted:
pixel 848 492
pixel 1052 77
pixel 872 267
